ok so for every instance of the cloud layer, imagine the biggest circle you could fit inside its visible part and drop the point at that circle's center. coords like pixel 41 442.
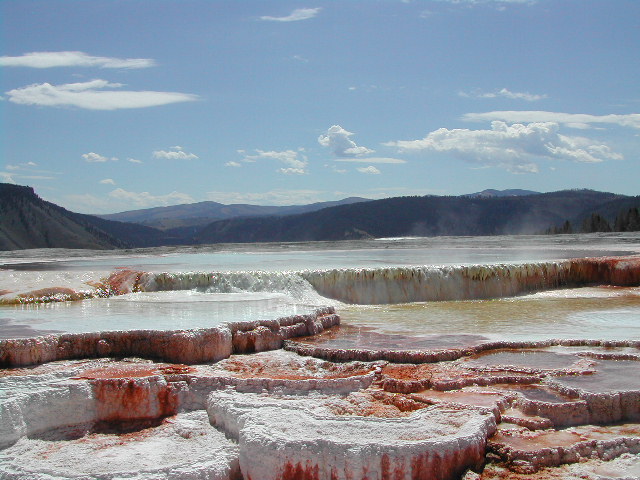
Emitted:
pixel 93 157
pixel 73 59
pixel 512 147
pixel 295 16
pixel 92 95
pixel 575 120
pixel 295 161
pixel 505 93
pixel 174 153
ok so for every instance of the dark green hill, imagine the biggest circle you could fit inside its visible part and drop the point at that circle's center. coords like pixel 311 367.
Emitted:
pixel 27 221
pixel 610 210
pixel 413 216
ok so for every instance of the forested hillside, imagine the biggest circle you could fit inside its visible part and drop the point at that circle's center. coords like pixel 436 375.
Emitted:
pixel 27 221
pixel 413 216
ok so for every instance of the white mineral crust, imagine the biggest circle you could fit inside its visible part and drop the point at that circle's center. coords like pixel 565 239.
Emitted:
pixel 278 437
pixel 184 447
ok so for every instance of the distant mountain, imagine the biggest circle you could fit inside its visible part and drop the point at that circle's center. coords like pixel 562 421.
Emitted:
pixel 27 221
pixel 413 216
pixel 178 218
pixel 502 193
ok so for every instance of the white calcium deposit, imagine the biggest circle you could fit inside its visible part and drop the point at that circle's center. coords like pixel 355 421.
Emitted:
pixel 281 439
pixel 182 447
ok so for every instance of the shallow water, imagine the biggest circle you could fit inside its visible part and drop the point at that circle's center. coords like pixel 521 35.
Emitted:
pixel 606 313
pixel 602 313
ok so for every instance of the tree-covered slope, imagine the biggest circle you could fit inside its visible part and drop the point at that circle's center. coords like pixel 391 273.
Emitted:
pixel 412 216
pixel 27 221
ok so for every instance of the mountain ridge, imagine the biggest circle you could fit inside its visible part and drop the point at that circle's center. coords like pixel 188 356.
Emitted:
pixel 27 221
pixel 413 216
pixel 203 213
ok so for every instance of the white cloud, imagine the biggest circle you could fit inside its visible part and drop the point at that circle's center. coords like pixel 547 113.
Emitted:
pixel 174 153
pixel 134 160
pixel 370 170
pixel 92 96
pixel 25 171
pixel 107 181
pixel 505 93
pixel 145 199
pixel 233 164
pixel 372 160
pixel 292 171
pixel 22 166
pixel 72 59
pixel 338 140
pixel 512 147
pixel 295 161
pixel 297 15
pixel 93 157
pixel 574 120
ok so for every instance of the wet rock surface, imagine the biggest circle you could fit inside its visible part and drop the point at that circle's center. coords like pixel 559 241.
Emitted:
pixel 476 410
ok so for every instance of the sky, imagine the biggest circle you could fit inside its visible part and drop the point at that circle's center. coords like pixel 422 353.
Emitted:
pixel 115 105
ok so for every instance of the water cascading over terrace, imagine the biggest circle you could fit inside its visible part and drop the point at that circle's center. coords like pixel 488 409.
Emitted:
pixel 368 286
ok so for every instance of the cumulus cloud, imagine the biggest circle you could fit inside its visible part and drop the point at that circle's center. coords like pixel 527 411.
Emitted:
pixel 93 157
pixel 295 161
pixel 505 93
pixel 338 140
pixel 72 59
pixel 295 16
pixel 145 199
pixel 512 147
pixel 233 164
pixel 107 181
pixel 370 170
pixel 174 153
pixel 574 120
pixel 134 160
pixel 92 95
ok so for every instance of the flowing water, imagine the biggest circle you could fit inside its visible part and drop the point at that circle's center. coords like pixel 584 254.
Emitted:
pixel 497 287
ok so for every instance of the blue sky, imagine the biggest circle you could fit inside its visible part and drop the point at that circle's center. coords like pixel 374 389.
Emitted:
pixel 117 105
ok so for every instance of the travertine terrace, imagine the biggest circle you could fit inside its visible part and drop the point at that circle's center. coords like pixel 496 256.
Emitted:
pixel 303 398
